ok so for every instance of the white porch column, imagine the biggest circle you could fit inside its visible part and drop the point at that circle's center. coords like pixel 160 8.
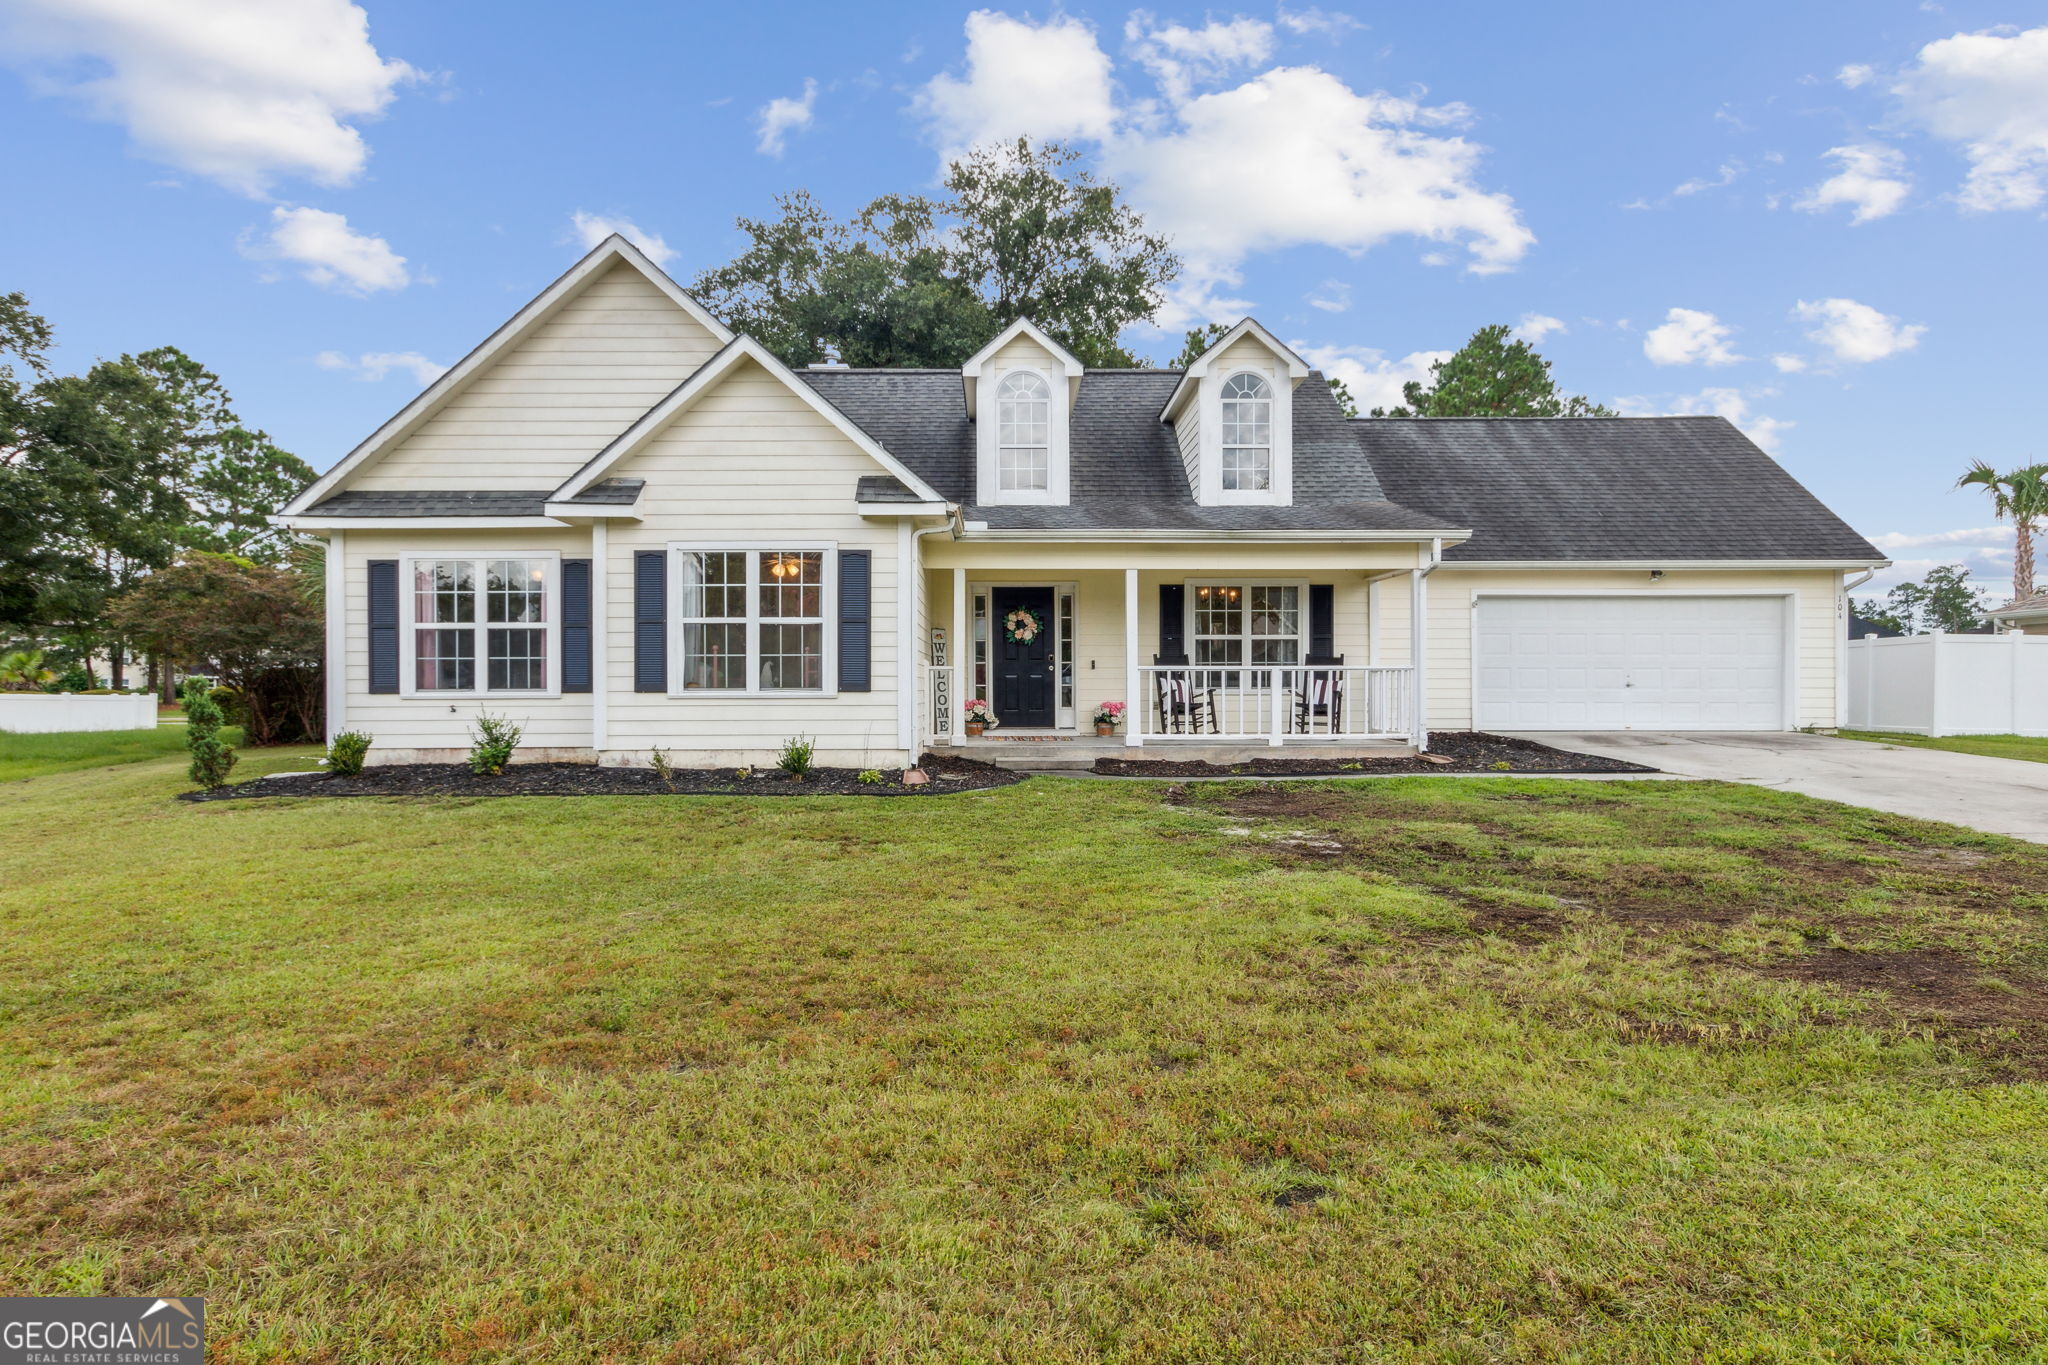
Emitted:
pixel 1133 684
pixel 909 591
pixel 600 612
pixel 337 638
pixel 1418 640
pixel 962 659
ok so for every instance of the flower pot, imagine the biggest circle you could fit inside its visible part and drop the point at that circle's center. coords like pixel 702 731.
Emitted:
pixel 1104 730
pixel 974 728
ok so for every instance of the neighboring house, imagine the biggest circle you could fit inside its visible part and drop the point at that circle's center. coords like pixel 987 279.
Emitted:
pixel 2029 614
pixel 627 528
pixel 1862 628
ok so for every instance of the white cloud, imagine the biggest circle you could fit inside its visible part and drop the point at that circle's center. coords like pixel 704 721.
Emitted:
pixel 1767 432
pixel 1898 540
pixel 1729 172
pixel 1374 380
pixel 1989 92
pixel 1871 180
pixel 1856 74
pixel 1688 336
pixel 240 91
pixel 1041 81
pixel 1333 297
pixel 1290 157
pixel 1788 363
pixel 782 116
pixel 1535 326
pixel 328 252
pixel 374 365
pixel 592 228
pixel 1319 22
pixel 1855 333
pixel 1180 58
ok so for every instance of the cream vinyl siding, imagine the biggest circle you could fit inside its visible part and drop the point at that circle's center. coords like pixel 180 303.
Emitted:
pixel 555 398
pixel 750 464
pixel 1022 353
pixel 430 728
pixel 1187 434
pixel 1812 641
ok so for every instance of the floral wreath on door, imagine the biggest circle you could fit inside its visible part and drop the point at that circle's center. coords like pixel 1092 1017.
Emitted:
pixel 1022 626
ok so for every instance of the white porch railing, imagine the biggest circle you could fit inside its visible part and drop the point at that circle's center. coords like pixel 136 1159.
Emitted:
pixel 1288 704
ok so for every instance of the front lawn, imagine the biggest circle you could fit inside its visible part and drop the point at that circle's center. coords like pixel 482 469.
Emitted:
pixel 1409 1069
pixel 70 750
pixel 2033 749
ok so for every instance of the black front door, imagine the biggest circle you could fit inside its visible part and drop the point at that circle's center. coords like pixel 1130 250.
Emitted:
pixel 1023 668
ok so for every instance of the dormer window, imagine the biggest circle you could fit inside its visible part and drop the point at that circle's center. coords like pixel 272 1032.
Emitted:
pixel 1024 433
pixel 1247 434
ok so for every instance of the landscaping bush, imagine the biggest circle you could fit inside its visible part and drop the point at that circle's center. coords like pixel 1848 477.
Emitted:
pixel 797 756
pixel 491 744
pixel 346 754
pixel 870 777
pixel 212 760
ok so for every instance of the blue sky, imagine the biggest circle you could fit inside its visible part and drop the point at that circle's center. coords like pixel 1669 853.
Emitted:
pixel 1843 202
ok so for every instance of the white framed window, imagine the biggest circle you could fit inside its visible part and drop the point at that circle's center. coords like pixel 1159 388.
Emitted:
pixel 481 624
pixel 1235 624
pixel 1247 434
pixel 1023 433
pixel 755 620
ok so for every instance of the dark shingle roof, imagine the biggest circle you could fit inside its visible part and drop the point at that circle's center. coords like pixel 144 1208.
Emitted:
pixel 406 502
pixel 1604 488
pixel 884 488
pixel 1126 472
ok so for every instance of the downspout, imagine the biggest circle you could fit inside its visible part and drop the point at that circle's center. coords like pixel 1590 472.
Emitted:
pixel 1418 642
pixel 1841 648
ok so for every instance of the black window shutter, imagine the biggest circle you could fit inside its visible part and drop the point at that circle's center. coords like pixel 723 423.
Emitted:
pixel 1322 621
pixel 575 625
pixel 1173 625
pixel 383 625
pixel 856 629
pixel 650 621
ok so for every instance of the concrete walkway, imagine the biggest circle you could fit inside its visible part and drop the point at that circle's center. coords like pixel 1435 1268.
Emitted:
pixel 1996 795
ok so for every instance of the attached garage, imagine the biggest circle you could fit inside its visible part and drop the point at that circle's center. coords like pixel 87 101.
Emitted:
pixel 1647 662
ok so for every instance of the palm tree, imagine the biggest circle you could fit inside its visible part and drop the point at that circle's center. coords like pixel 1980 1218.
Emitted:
pixel 2021 495
pixel 22 670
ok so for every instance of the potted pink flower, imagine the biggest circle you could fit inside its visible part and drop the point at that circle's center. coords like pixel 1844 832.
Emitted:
pixel 1107 716
pixel 979 716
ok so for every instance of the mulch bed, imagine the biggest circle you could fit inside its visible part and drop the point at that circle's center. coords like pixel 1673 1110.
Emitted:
pixel 948 775
pixel 1468 751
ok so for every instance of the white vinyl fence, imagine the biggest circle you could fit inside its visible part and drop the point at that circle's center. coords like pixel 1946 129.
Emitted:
pixel 1949 684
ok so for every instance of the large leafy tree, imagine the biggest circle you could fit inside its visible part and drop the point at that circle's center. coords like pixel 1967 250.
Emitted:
pixel 108 475
pixel 2021 497
pixel 1492 375
pixel 1945 600
pixel 1021 231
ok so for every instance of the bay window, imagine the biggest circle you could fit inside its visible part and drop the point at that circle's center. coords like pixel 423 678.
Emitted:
pixel 754 620
pixel 481 623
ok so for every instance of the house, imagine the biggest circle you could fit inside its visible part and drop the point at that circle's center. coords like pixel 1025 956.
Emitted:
pixel 2029 613
pixel 626 528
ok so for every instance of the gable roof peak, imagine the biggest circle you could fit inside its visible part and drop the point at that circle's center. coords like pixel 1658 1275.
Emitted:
pixel 1297 368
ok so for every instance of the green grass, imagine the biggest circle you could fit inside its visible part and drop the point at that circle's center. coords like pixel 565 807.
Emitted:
pixel 1429 1069
pixel 2034 750
pixel 68 751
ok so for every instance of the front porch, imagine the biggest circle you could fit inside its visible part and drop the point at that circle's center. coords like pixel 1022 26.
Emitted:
pixel 1226 660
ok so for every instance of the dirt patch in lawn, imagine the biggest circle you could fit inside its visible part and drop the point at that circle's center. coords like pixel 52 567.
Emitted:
pixel 948 775
pixel 1467 751
pixel 1994 1012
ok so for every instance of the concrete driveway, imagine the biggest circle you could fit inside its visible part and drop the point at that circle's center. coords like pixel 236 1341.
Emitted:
pixel 1997 795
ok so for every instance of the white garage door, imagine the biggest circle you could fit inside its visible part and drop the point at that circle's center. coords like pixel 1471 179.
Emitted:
pixel 1631 663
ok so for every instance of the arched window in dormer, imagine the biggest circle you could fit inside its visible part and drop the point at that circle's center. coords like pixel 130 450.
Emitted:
pixel 1023 433
pixel 1247 434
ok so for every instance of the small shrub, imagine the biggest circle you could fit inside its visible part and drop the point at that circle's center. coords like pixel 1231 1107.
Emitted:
pixel 870 777
pixel 212 760
pixel 491 744
pixel 742 774
pixel 346 754
pixel 73 679
pixel 797 756
pixel 1503 767
pixel 657 759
